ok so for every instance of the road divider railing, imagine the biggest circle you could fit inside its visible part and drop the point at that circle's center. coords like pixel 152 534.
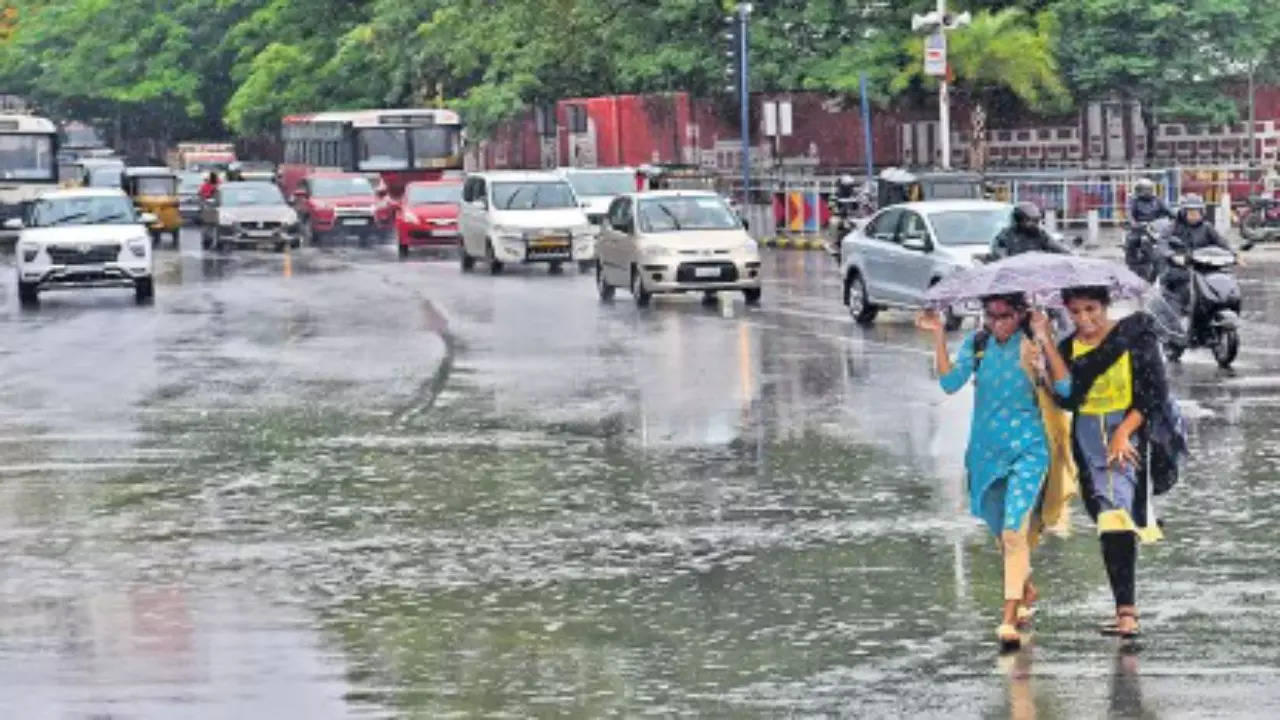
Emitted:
pixel 792 242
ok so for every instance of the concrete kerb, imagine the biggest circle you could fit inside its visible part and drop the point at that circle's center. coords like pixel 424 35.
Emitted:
pixel 783 242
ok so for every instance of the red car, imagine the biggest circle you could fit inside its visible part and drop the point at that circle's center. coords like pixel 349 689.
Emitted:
pixel 429 215
pixel 336 205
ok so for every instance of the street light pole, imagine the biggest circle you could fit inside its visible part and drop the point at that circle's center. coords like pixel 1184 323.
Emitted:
pixel 944 103
pixel 744 101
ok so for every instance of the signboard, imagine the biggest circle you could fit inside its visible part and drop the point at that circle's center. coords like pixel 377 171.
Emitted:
pixel 935 54
pixel 777 118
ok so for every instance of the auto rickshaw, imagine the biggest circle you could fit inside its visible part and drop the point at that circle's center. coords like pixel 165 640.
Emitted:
pixel 898 186
pixel 155 190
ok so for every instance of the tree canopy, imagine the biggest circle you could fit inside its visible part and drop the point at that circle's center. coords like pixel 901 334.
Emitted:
pixel 214 67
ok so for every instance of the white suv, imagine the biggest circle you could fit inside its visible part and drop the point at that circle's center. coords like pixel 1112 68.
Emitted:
pixel 524 217
pixel 84 238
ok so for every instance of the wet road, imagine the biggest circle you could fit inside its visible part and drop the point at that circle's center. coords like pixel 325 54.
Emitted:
pixel 336 485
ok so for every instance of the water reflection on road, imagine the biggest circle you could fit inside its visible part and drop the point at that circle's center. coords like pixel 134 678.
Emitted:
pixel 345 486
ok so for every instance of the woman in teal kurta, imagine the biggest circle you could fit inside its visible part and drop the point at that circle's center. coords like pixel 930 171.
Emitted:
pixel 1008 454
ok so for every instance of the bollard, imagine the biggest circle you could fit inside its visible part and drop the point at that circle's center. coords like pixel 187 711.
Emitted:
pixel 1222 222
pixel 1051 221
pixel 1091 238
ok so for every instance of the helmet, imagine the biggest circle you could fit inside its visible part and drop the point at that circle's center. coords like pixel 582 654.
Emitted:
pixel 1026 214
pixel 1145 187
pixel 1191 201
pixel 845 180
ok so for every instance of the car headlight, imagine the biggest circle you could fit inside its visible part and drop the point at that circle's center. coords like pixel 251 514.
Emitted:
pixel 410 217
pixel 29 251
pixel 750 246
pixel 654 252
pixel 586 231
pixel 138 246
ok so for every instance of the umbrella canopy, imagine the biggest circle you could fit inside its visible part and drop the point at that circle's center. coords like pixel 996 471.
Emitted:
pixel 1034 274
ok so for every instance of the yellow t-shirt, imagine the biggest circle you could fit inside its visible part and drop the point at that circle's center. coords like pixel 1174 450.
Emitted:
pixel 1113 390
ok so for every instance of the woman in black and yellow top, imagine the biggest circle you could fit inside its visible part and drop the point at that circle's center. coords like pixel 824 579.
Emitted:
pixel 1126 434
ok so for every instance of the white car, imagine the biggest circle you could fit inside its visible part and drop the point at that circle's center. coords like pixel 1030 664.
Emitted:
pixel 523 217
pixel 893 259
pixel 597 187
pixel 676 241
pixel 83 238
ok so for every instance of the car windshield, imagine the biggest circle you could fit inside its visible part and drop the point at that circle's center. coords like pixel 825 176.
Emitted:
pixel 189 183
pixel 327 187
pixel 434 194
pixel 159 185
pixel 27 157
pixel 82 210
pixel 597 184
pixel 969 227
pixel 670 214
pixel 383 149
pixel 435 146
pixel 958 190
pixel 106 177
pixel 532 195
pixel 240 195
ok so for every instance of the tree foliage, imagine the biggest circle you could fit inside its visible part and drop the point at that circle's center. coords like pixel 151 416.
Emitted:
pixel 208 67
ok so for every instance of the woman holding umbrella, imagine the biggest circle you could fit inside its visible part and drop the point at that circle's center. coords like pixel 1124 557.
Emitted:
pixel 1009 454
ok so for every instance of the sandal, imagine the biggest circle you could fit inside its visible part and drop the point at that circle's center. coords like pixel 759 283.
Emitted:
pixel 1112 629
pixel 1008 637
pixel 1026 613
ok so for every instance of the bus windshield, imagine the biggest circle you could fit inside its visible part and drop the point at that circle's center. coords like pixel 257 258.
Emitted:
pixel 435 145
pixel 382 149
pixel 27 157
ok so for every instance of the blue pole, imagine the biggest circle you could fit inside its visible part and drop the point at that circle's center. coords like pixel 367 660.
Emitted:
pixel 744 99
pixel 866 126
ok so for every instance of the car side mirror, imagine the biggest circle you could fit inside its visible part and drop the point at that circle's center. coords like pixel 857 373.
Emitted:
pixel 148 218
pixel 624 227
pixel 1078 241
pixel 745 225
pixel 13 224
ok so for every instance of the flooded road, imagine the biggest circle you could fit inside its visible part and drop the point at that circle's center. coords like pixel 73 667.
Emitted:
pixel 335 485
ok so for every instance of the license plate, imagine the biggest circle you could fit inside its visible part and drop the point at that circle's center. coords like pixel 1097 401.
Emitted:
pixel 706 272
pixel 444 233
pixel 549 243
pixel 259 233
pixel 355 221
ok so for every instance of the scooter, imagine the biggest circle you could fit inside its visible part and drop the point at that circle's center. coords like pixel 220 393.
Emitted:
pixel 1260 220
pixel 1214 320
pixel 846 215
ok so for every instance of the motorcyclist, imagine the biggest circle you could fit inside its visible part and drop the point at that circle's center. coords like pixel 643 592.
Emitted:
pixel 1189 232
pixel 1024 235
pixel 1144 207
pixel 234 173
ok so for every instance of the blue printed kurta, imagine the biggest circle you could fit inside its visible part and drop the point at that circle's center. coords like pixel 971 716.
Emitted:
pixel 1008 454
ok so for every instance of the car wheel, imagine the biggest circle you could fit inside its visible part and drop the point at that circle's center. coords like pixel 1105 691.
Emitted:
pixel 1173 352
pixel 155 238
pixel 855 297
pixel 603 287
pixel 585 266
pixel 468 262
pixel 709 297
pixel 28 294
pixel 495 265
pixel 752 296
pixel 404 251
pixel 206 241
pixel 638 291
pixel 556 268
pixel 143 290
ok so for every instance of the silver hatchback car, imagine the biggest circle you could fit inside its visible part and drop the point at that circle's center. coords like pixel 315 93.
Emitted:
pixel 893 259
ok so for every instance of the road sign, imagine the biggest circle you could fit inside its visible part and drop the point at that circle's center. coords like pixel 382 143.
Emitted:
pixel 935 54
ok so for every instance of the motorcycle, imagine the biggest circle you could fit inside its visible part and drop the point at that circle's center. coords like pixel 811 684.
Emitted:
pixel 1140 248
pixel 1214 301
pixel 1260 220
pixel 846 215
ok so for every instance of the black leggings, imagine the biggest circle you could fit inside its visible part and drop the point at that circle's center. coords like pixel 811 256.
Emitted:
pixel 1120 555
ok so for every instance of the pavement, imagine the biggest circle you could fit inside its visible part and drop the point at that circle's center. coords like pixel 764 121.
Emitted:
pixel 332 484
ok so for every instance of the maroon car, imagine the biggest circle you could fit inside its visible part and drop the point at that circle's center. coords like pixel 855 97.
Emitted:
pixel 341 206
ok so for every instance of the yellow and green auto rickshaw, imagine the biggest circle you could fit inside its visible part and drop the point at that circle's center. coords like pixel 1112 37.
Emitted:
pixel 154 190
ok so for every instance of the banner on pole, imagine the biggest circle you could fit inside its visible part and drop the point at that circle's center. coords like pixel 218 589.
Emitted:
pixel 935 54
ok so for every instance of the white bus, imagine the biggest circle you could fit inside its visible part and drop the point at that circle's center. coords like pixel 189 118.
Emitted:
pixel 28 161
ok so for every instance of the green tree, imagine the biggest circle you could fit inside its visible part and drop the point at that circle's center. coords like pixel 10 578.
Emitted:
pixel 1005 51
